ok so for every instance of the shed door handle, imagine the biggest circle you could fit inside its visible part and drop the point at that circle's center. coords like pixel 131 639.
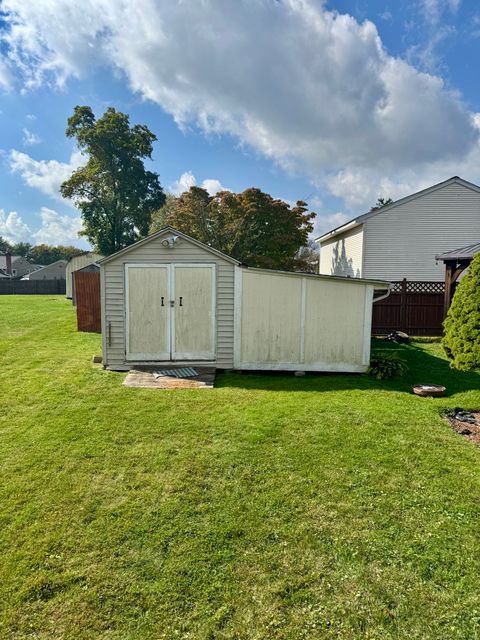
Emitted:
pixel 163 301
pixel 180 301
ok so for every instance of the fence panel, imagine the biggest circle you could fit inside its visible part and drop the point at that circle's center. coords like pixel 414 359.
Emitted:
pixel 413 307
pixel 11 287
pixel 87 295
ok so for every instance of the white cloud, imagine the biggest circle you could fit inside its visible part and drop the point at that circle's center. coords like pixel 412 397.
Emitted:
pixel 298 82
pixel 324 223
pixel 187 180
pixel 184 183
pixel 312 89
pixel 433 9
pixel 45 175
pixel 54 228
pixel 30 138
pixel 213 186
pixel 360 187
pixel 57 229
pixel 12 227
pixel 5 75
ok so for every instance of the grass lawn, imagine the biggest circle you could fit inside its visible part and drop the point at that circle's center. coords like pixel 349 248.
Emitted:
pixel 270 507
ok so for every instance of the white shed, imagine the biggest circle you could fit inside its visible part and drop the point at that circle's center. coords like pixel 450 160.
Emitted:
pixel 171 299
pixel 75 263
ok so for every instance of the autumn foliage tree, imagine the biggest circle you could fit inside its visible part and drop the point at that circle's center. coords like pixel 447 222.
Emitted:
pixel 114 192
pixel 250 226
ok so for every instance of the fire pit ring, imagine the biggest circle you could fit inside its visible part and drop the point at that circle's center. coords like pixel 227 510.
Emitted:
pixel 428 389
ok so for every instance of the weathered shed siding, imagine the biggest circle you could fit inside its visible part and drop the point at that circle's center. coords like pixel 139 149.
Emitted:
pixel 75 263
pixel 402 242
pixel 342 256
pixel 312 323
pixel 113 296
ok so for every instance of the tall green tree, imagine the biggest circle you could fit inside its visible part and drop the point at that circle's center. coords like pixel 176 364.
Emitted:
pixel 250 226
pixel 114 192
pixel 5 246
pixel 461 339
pixel 22 249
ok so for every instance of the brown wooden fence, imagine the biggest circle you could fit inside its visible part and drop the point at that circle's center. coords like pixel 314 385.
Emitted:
pixel 31 287
pixel 87 294
pixel 413 307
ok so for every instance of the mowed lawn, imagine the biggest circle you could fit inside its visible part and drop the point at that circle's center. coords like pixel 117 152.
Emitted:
pixel 270 507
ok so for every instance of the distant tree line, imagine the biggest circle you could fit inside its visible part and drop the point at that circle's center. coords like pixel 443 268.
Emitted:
pixel 40 253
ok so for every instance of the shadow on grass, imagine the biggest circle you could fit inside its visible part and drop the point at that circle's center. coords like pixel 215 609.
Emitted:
pixel 426 364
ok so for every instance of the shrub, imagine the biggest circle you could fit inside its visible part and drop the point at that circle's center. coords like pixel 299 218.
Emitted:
pixel 462 325
pixel 386 365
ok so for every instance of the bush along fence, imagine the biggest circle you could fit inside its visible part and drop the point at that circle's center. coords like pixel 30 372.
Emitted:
pixel 32 287
pixel 413 307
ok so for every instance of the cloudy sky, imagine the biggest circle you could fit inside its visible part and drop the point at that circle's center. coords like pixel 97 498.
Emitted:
pixel 336 102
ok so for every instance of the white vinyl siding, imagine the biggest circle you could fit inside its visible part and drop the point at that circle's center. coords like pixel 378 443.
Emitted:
pixel 402 242
pixel 342 256
pixel 113 295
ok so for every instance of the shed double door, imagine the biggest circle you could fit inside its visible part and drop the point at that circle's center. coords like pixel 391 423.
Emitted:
pixel 170 312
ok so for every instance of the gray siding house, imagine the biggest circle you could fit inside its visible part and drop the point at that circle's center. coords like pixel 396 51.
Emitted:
pixel 402 239
pixel 15 266
pixel 53 271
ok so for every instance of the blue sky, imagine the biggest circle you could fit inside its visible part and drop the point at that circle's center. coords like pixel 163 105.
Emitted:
pixel 334 102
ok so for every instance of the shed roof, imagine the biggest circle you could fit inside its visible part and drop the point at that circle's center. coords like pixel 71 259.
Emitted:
pixel 360 219
pixel 157 234
pixel 463 253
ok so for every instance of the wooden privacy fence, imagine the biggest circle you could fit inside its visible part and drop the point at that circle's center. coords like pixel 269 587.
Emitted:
pixel 32 287
pixel 87 297
pixel 413 307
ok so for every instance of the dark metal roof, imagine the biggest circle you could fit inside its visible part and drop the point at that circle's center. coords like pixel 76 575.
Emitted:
pixel 464 253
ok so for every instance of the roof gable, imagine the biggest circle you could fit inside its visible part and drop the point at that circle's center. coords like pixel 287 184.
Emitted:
pixel 362 218
pixel 167 230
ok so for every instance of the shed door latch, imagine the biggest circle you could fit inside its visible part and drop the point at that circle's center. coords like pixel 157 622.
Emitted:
pixel 172 303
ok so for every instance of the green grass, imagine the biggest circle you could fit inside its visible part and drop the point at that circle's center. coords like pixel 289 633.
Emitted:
pixel 270 507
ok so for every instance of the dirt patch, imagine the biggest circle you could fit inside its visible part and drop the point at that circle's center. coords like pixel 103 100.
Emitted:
pixel 466 423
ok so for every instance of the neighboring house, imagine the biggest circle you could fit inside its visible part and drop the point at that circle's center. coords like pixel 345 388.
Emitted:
pixel 402 239
pixel 15 266
pixel 53 271
pixel 78 262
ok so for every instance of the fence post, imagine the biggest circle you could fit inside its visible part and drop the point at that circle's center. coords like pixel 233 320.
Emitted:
pixel 403 306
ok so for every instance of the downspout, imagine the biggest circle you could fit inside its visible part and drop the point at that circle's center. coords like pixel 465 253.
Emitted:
pixel 385 295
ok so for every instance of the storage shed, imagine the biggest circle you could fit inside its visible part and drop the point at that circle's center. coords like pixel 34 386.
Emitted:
pixel 75 263
pixel 171 299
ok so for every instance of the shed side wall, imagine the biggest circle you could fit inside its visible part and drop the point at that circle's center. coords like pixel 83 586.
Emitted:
pixel 303 323
pixel 113 295
pixel 342 256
